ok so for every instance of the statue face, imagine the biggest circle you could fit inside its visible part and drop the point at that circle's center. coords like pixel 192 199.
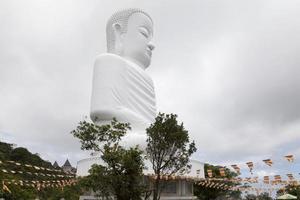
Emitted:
pixel 136 42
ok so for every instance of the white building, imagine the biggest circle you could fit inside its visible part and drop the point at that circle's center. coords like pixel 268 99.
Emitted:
pixel 180 188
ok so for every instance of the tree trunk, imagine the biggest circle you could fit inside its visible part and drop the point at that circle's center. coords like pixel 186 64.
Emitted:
pixel 156 188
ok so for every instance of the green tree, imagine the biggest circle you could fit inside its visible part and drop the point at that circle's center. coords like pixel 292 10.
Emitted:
pixel 5 150
pixel 168 149
pixel 22 155
pixel 71 192
pixel 207 193
pixel 121 175
pixel 250 197
pixel 292 189
pixel 264 196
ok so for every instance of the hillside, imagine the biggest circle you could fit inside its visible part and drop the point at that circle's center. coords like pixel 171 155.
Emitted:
pixel 25 175
pixel 22 155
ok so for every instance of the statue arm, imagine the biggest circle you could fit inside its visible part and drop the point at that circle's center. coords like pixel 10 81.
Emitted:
pixel 108 83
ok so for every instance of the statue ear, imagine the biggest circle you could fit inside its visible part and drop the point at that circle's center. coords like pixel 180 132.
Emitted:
pixel 117 29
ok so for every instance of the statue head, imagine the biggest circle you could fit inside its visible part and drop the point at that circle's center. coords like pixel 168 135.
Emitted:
pixel 129 33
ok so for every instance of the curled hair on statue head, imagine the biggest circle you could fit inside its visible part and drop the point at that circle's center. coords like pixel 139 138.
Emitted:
pixel 119 20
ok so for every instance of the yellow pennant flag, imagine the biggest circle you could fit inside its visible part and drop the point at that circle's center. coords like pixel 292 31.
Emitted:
pixel 5 188
pixel 289 158
pixel 236 168
pixel 250 165
pixel 277 178
pixel 266 180
pixel 290 176
pixel 268 162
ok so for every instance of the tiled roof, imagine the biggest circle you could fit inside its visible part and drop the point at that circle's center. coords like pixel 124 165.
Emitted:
pixel 67 164
pixel 55 164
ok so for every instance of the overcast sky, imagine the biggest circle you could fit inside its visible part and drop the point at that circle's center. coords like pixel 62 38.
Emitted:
pixel 229 69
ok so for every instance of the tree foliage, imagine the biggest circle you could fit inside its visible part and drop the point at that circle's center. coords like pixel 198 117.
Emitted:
pixel 122 176
pixel 250 197
pixel 22 155
pixel 91 135
pixel 262 196
pixel 5 150
pixel 206 193
pixel 122 172
pixel 168 149
pixel 292 189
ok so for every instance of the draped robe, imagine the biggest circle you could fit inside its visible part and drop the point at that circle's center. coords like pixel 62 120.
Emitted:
pixel 123 90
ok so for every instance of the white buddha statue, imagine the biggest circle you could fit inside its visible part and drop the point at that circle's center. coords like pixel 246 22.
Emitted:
pixel 121 86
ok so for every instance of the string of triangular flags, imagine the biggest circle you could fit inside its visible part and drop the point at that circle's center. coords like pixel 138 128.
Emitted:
pixel 225 186
pixel 277 179
pixel 38 184
pixel 41 174
pixel 269 162
pixel 237 180
pixel 216 185
pixel 35 173
pixel 30 166
pixel 237 169
pixel 35 170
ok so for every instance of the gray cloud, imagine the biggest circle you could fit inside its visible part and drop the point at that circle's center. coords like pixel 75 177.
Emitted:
pixel 228 69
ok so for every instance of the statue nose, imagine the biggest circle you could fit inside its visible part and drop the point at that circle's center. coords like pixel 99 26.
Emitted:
pixel 151 46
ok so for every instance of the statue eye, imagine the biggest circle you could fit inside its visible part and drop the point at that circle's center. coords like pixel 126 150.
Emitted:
pixel 144 32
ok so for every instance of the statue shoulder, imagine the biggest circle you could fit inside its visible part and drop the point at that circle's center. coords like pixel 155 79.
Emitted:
pixel 110 61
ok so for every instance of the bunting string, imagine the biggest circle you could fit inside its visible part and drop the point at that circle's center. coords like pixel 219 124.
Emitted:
pixel 33 167
pixel 35 173
pixel 33 170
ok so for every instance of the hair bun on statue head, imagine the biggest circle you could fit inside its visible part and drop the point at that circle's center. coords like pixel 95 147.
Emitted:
pixel 121 17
